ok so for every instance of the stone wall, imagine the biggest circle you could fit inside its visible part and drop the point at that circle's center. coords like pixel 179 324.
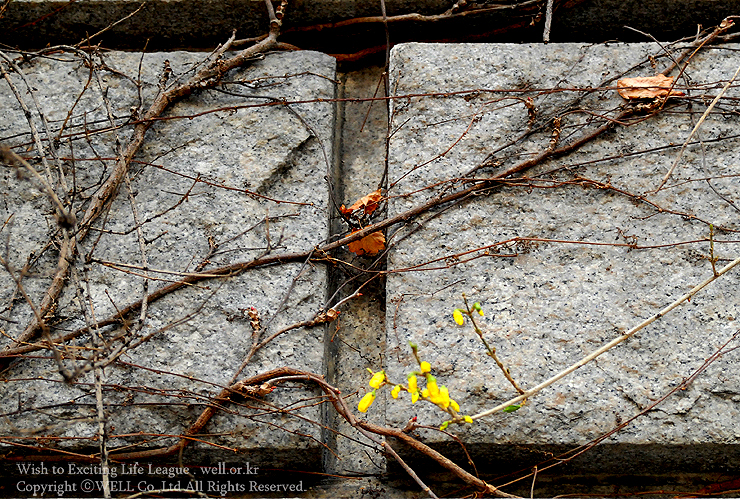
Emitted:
pixel 195 314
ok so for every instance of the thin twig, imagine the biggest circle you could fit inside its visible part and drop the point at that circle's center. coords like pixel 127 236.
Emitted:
pixel 438 457
pixel 414 17
pixel 491 351
pixel 696 128
pixel 698 44
pixel 87 39
pixel 66 217
pixel 142 252
pixel 102 430
pixel 24 107
pixel 408 470
pixel 548 22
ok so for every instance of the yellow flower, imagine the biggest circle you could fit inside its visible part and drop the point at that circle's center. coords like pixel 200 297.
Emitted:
pixel 455 405
pixel 377 379
pixel 444 425
pixel 414 397
pixel 432 387
pixel 425 367
pixel 413 388
pixel 444 397
pixel 468 419
pixel 425 393
pixel 477 308
pixel 457 315
pixel 396 390
pixel 366 401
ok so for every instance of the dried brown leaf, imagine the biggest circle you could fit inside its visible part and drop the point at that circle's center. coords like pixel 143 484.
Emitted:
pixel 368 203
pixel 370 245
pixel 647 87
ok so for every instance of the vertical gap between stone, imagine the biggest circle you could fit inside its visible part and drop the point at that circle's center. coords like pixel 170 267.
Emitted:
pixel 329 418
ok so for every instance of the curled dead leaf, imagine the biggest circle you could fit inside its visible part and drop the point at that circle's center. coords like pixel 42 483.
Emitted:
pixel 367 203
pixel 332 314
pixel 254 319
pixel 647 87
pixel 252 391
pixel 370 245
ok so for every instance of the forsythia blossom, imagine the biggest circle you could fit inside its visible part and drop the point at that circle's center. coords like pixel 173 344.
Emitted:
pixel 413 388
pixel 458 316
pixel 432 388
pixel 478 308
pixel 455 405
pixel 366 401
pixel 444 426
pixel 431 392
pixel 444 397
pixel 396 390
pixel 377 379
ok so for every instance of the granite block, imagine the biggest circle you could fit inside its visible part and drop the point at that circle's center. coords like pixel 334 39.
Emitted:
pixel 226 176
pixel 575 252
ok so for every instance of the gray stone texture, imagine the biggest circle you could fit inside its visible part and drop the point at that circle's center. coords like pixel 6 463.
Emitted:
pixel 191 184
pixel 550 302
